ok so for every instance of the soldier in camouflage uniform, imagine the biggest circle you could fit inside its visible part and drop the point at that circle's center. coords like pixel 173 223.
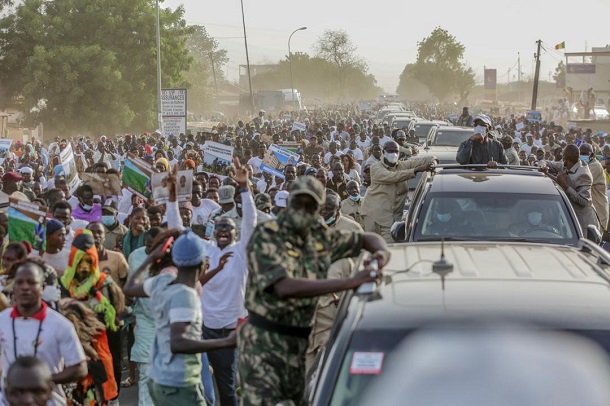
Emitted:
pixel 288 260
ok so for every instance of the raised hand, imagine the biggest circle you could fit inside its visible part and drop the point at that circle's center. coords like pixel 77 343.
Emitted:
pixel 241 174
pixel 171 180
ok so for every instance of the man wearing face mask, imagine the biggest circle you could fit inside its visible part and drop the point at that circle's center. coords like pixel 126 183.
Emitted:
pixel 352 206
pixel 480 148
pixel 288 261
pixel 576 180
pixel 533 223
pixel 114 229
pixel 448 219
pixel 386 196
pixel 86 209
pixel 599 188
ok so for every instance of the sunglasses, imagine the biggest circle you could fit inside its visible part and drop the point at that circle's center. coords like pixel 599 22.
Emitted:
pixel 223 226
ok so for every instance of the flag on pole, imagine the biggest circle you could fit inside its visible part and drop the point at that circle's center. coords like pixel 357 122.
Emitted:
pixel 561 45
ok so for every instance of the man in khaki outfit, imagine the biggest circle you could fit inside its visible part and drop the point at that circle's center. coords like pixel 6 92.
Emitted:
pixel 327 307
pixel 386 196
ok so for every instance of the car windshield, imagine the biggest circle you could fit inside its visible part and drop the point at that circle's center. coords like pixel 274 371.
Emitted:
pixel 401 122
pixel 450 138
pixel 495 217
pixel 369 352
pixel 422 130
pixel 353 380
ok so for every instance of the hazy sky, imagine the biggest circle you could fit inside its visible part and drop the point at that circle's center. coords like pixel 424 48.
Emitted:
pixel 386 31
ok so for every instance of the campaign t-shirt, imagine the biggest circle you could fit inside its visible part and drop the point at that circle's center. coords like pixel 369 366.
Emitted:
pixel 57 345
pixel 173 303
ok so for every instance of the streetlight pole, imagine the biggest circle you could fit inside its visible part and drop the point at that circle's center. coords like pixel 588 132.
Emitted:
pixel 159 116
pixel 243 18
pixel 290 62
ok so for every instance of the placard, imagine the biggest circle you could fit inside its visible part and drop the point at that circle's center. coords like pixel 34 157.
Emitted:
pixel 27 222
pixel 299 126
pixel 136 176
pixel 69 164
pixel 276 158
pixel 5 146
pixel 184 187
pixel 103 184
pixel 217 158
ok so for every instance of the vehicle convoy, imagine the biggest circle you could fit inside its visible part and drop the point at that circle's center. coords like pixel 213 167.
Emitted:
pixel 443 142
pixel 472 202
pixel 554 287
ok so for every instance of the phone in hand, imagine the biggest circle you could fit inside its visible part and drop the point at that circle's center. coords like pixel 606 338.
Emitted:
pixel 167 247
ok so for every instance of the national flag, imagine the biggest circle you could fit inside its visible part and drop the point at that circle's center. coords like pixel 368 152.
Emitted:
pixel 561 45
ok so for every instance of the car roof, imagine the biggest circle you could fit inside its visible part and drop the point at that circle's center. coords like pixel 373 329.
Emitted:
pixel 537 282
pixel 454 128
pixel 492 181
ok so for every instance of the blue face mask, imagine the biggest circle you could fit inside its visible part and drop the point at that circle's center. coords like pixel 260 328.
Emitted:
pixel 331 220
pixel 354 198
pixel 108 220
pixel 443 218
pixel 87 207
pixel 585 158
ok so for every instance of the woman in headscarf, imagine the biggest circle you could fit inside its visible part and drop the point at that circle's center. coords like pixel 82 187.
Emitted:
pixel 84 282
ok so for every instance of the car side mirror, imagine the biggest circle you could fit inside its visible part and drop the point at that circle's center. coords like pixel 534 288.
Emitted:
pixel 593 234
pixel 399 231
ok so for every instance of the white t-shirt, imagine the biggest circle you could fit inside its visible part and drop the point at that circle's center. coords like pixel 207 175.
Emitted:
pixel 201 213
pixel 58 344
pixel 256 162
pixel 356 153
pixel 58 261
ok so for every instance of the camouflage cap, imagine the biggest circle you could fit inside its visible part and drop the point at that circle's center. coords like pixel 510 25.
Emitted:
pixel 263 200
pixel 308 185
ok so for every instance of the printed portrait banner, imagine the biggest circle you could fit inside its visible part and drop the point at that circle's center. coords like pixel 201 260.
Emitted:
pixel 137 176
pixel 27 222
pixel 292 147
pixel 5 146
pixel 217 158
pixel 184 188
pixel 276 158
pixel 69 164
pixel 103 184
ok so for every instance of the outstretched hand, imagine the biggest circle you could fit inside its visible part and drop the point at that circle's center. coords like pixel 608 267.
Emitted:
pixel 241 174
pixel 171 180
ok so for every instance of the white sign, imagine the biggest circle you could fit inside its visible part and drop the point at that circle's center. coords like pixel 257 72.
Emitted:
pixel 173 102
pixel 366 363
pixel 174 125
pixel 519 126
pixel 299 126
pixel 5 146
pixel 69 164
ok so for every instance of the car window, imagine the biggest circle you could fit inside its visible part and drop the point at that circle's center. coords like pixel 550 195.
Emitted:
pixel 495 216
pixel 422 130
pixel 448 138
pixel 354 377
pixel 352 383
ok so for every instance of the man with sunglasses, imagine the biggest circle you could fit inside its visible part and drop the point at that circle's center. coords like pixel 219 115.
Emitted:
pixel 288 261
pixel 222 298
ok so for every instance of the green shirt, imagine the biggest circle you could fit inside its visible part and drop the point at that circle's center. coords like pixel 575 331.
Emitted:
pixel 276 251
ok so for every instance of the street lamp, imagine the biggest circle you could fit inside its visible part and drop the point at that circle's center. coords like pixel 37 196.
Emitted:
pixel 290 61
pixel 158 35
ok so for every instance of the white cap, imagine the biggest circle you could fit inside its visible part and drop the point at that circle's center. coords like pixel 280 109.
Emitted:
pixel 26 169
pixel 281 198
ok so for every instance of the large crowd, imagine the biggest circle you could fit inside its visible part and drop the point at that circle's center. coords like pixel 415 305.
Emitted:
pixel 163 288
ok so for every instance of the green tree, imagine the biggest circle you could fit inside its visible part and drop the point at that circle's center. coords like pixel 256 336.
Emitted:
pixel 89 65
pixel 560 74
pixel 315 79
pixel 440 67
pixel 208 60
pixel 336 47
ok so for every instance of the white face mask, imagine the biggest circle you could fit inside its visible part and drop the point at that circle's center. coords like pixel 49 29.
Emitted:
pixel 391 157
pixel 534 218
pixel 480 129
pixel 443 218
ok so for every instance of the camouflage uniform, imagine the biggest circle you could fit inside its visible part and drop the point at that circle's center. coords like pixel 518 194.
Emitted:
pixel 272 365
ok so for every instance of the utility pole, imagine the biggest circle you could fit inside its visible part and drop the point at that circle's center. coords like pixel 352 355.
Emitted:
pixel 159 113
pixel 519 67
pixel 536 76
pixel 211 55
pixel 243 18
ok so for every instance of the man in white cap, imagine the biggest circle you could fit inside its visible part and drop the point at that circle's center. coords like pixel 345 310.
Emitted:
pixel 480 148
pixel 27 174
pixel 280 202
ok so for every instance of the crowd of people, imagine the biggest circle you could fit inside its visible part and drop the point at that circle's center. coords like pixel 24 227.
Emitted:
pixel 236 287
